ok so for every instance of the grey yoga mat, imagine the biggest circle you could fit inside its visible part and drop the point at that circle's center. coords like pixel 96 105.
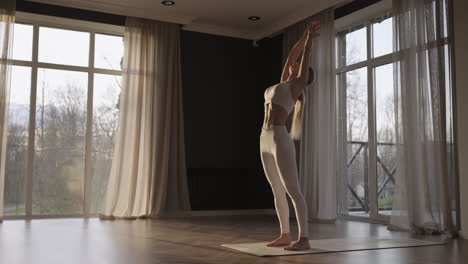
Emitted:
pixel 333 245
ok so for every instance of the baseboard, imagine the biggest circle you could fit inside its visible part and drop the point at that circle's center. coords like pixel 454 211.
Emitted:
pixel 234 212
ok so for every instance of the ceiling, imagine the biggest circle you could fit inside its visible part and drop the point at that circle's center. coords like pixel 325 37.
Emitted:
pixel 219 17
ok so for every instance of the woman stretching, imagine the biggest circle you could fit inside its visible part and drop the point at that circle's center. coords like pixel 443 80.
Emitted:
pixel 276 145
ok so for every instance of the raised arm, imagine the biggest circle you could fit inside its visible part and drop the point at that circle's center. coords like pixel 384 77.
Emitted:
pixel 294 55
pixel 303 76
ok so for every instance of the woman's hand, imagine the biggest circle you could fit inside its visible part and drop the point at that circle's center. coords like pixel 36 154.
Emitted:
pixel 312 29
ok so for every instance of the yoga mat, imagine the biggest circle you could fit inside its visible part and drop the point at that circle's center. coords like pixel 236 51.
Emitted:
pixel 333 245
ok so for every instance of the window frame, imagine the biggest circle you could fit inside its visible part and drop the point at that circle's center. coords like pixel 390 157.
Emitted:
pixel 93 28
pixel 370 64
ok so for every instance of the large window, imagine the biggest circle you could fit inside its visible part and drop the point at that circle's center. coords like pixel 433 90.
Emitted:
pixel 63 116
pixel 365 72
pixel 367 76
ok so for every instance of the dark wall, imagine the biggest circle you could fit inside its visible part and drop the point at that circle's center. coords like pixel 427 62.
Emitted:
pixel 68 12
pixel 223 82
pixel 352 7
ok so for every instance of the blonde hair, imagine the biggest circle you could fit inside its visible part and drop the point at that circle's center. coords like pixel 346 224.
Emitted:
pixel 296 126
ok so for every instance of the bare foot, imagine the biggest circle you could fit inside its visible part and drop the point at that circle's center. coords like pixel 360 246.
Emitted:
pixel 282 240
pixel 301 244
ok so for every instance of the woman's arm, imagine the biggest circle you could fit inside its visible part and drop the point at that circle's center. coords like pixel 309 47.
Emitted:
pixel 301 81
pixel 294 55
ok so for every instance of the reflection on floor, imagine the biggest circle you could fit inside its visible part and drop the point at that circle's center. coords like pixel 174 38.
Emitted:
pixel 193 240
pixel 366 214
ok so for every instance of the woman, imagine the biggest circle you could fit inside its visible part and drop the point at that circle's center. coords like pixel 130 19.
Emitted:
pixel 276 145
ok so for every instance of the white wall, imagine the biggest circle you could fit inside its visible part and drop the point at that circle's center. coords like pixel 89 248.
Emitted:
pixel 461 67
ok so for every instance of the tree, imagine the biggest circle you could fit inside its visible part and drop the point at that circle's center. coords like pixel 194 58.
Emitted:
pixel 59 155
pixel 105 121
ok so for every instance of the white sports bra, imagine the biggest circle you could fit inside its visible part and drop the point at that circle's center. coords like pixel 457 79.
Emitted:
pixel 280 94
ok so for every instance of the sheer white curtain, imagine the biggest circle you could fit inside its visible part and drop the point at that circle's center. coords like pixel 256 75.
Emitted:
pixel 148 175
pixel 422 193
pixel 7 19
pixel 316 148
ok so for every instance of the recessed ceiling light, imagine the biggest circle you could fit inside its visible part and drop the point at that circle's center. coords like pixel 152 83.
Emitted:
pixel 168 3
pixel 254 18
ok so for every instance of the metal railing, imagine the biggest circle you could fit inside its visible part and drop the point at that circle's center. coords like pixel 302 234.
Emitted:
pixel 389 174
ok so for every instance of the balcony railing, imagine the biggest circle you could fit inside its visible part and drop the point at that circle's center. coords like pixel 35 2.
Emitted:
pixel 361 149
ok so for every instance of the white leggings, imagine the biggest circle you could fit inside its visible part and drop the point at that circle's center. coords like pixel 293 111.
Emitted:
pixel 279 162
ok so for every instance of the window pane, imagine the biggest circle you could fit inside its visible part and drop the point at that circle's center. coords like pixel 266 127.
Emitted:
pixel 386 136
pixel 356 46
pixel 105 119
pixel 63 46
pixel 22 42
pixel 357 138
pixel 383 37
pixel 109 52
pixel 17 144
pixel 444 19
pixel 448 95
pixel 451 166
pixel 60 142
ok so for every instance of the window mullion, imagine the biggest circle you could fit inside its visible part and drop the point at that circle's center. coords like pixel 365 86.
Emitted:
pixel 372 150
pixel 386 59
pixel 22 63
pixel 352 67
pixel 66 67
pixel 89 130
pixel 32 125
pixel 342 124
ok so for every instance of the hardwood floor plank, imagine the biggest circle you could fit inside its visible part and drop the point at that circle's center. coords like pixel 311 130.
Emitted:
pixel 194 240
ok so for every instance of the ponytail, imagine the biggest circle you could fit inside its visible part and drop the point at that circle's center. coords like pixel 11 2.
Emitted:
pixel 296 127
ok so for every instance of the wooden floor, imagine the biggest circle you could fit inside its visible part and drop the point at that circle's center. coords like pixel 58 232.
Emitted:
pixel 193 240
